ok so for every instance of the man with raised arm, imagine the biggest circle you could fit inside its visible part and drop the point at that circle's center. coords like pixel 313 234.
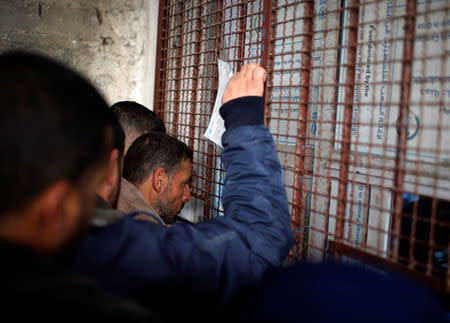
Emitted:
pixel 209 262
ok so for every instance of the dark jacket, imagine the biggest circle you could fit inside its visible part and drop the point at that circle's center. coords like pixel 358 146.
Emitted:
pixel 35 288
pixel 333 292
pixel 219 257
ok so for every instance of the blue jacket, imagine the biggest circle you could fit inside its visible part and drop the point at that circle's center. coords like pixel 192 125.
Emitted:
pixel 333 292
pixel 219 256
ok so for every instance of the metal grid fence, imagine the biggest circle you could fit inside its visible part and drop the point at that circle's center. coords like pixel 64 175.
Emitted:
pixel 357 100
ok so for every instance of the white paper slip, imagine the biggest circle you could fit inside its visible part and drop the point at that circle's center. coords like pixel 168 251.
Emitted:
pixel 216 126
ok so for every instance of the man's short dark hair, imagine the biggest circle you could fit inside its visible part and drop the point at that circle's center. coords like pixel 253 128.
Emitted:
pixel 53 126
pixel 151 151
pixel 137 119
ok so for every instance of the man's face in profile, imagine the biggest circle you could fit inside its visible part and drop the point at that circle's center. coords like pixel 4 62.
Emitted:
pixel 176 193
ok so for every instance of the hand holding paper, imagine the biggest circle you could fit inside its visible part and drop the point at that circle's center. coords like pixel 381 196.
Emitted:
pixel 248 82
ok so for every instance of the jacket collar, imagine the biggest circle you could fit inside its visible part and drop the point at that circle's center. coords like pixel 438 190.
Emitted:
pixel 131 200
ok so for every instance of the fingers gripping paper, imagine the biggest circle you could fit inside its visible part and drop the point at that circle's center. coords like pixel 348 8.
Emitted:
pixel 216 126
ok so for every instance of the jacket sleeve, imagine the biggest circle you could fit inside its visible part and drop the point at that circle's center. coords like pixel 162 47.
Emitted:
pixel 224 254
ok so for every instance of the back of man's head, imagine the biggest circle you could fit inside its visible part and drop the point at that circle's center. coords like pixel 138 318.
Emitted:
pixel 109 190
pixel 53 126
pixel 151 151
pixel 136 120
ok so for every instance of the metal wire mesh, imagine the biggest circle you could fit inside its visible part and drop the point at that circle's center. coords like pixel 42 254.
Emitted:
pixel 357 101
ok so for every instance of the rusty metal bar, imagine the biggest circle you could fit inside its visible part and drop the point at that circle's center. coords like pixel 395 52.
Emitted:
pixel 267 33
pixel 195 77
pixel 214 83
pixel 158 96
pixel 435 236
pixel 242 31
pixel 347 119
pixel 179 46
pixel 339 248
pixel 216 161
pixel 431 237
pixel 266 58
pixel 405 93
pixel 300 148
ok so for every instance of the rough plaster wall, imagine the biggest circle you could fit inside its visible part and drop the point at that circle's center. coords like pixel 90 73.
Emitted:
pixel 107 40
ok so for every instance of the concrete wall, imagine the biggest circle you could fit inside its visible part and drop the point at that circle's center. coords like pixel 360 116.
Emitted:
pixel 113 42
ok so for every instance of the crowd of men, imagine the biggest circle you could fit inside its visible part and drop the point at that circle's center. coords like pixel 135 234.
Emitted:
pixel 91 196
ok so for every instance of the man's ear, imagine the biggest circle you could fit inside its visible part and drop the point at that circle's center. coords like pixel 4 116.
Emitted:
pixel 52 200
pixel 112 167
pixel 56 209
pixel 159 179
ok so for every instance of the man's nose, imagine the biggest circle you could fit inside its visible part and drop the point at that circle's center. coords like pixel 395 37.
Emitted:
pixel 186 194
